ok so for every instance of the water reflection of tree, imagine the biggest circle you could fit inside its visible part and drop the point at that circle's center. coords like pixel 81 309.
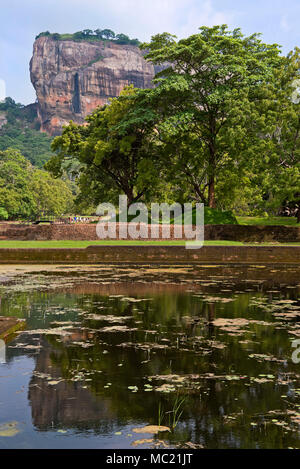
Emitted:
pixel 100 408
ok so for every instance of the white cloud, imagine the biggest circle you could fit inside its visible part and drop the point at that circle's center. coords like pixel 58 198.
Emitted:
pixel 284 24
pixel 204 15
pixel 145 18
pixel 139 18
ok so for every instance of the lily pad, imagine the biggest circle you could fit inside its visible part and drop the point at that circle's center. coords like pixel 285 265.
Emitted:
pixel 153 429
pixel 9 429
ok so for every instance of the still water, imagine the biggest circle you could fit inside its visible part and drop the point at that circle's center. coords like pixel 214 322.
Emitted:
pixel 204 351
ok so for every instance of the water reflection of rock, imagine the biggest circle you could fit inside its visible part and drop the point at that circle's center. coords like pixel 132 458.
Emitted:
pixel 177 335
pixel 67 403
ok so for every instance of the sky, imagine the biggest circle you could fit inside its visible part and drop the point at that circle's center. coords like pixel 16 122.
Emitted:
pixel 21 21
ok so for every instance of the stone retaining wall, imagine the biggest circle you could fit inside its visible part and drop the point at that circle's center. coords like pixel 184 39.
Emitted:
pixel 154 255
pixel 87 232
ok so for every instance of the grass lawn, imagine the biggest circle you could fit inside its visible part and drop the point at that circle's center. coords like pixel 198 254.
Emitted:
pixel 84 244
pixel 287 221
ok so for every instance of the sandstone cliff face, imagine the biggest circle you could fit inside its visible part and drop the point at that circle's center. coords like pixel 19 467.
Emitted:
pixel 72 78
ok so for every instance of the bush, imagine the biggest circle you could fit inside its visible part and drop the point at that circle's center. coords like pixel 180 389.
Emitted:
pixel 212 216
pixel 218 217
pixel 3 214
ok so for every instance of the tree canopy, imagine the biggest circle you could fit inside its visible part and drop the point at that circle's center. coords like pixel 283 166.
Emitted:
pixel 21 133
pixel 27 192
pixel 90 35
pixel 111 157
pixel 215 98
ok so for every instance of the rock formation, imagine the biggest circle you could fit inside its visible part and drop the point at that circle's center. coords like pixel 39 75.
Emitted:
pixel 72 78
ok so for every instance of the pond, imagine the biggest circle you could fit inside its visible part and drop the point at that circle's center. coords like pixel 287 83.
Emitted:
pixel 203 352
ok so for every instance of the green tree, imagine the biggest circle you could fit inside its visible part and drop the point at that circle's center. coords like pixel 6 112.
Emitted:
pixel 51 196
pixel 280 172
pixel 56 36
pixel 26 192
pixel 107 34
pixel 87 32
pixel 114 150
pixel 122 38
pixel 78 35
pixel 208 98
pixel 43 34
pixel 134 42
pixel 15 174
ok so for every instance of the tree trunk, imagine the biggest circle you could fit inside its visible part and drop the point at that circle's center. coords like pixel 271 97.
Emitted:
pixel 130 197
pixel 199 193
pixel 212 164
pixel 211 193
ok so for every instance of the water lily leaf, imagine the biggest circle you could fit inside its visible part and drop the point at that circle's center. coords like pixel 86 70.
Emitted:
pixel 133 388
pixel 153 429
pixel 9 429
pixel 142 442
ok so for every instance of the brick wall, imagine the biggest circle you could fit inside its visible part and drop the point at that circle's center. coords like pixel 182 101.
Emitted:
pixel 167 255
pixel 87 232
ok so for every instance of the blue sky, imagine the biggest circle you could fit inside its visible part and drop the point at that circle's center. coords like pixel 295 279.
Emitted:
pixel 22 20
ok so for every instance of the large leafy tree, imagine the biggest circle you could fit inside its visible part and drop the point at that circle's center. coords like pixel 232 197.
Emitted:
pixel 213 95
pixel 27 192
pixel 106 33
pixel 50 196
pixel 114 150
pixel 280 172
pixel 15 175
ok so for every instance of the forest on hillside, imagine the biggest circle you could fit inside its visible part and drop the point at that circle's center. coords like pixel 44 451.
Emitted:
pixel 21 131
pixel 90 35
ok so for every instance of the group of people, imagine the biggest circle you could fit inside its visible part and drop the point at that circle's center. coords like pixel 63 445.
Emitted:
pixel 77 219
